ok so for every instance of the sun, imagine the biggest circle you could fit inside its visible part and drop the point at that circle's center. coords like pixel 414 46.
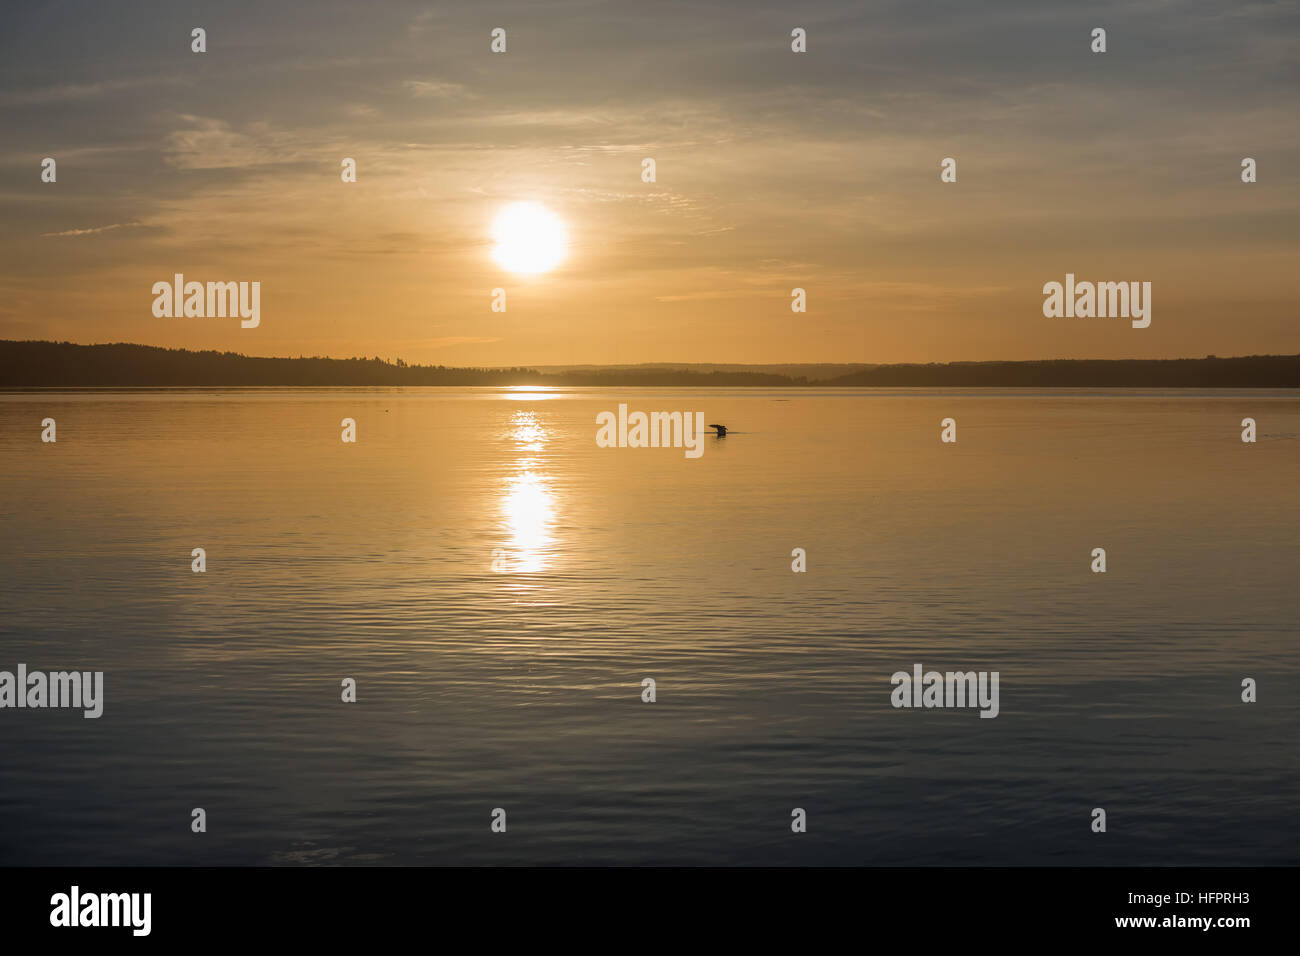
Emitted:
pixel 530 238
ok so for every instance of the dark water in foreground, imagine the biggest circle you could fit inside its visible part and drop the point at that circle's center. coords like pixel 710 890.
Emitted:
pixel 521 689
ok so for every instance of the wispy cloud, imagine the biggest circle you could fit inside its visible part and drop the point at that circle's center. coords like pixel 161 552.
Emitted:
pixel 91 231
pixel 73 92
pixel 214 144
pixel 434 89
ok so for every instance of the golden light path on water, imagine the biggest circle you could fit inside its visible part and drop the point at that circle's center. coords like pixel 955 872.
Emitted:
pixel 528 502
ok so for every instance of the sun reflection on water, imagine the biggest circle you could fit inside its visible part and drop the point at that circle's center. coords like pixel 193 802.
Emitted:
pixel 528 502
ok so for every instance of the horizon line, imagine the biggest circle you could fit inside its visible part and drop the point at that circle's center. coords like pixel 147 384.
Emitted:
pixel 624 365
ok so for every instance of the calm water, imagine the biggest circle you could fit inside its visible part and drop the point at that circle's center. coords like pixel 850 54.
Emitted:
pixel 479 689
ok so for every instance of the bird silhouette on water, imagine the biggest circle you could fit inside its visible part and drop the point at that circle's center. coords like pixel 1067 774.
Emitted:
pixel 722 430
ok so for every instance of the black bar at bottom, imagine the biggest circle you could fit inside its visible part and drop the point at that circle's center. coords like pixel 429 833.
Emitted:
pixel 643 906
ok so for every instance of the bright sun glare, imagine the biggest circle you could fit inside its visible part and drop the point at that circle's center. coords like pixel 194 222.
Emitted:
pixel 530 238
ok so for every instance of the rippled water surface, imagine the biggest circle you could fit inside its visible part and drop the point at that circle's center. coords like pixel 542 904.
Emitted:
pixel 498 586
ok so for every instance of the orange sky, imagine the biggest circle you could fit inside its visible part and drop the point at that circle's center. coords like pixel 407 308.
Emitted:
pixel 775 170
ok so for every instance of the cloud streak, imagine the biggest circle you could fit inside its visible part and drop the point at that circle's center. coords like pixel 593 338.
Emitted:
pixel 92 231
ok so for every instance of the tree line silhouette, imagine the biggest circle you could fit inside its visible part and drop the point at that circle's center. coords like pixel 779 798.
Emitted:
pixel 33 364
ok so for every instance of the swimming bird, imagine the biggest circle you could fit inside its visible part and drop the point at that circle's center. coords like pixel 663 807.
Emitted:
pixel 722 430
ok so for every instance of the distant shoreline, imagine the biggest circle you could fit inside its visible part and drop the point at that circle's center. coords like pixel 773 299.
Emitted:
pixel 64 365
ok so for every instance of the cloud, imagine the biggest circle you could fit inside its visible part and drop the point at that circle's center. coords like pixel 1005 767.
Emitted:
pixel 73 92
pixel 434 89
pixel 213 144
pixel 88 232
